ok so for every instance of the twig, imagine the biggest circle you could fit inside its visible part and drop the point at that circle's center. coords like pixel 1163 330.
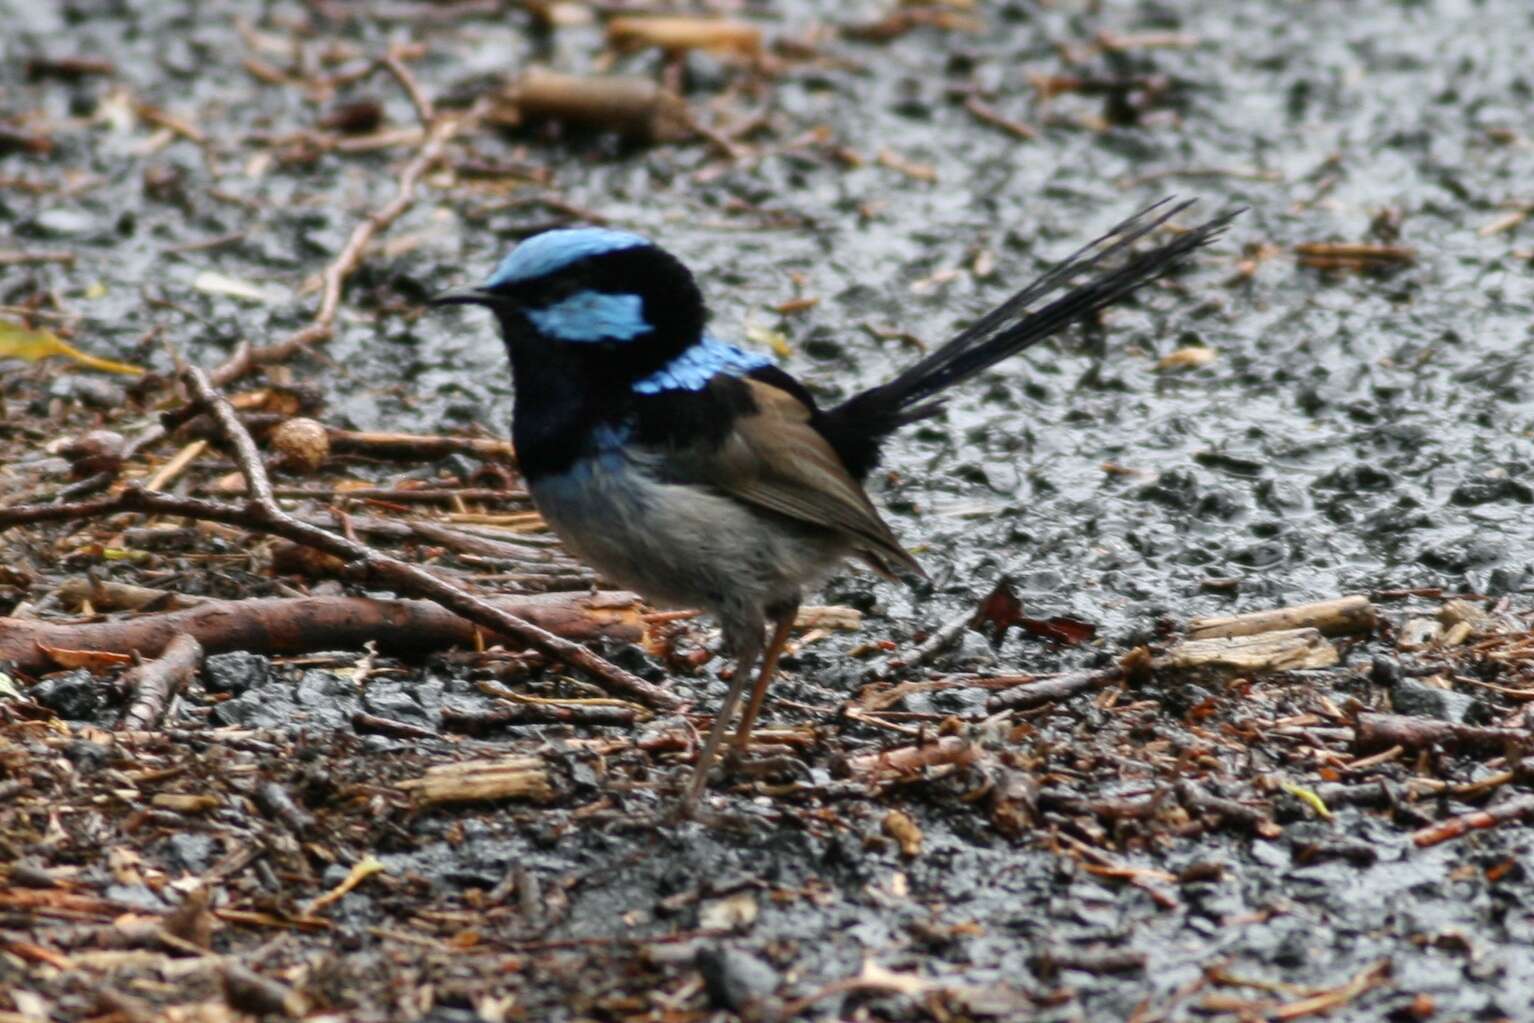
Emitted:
pixel 1381 731
pixel 1038 692
pixel 481 722
pixel 1455 827
pixel 321 328
pixel 411 445
pixel 1195 800
pixel 986 114
pixel 424 111
pixel 1352 615
pixel 262 513
pixel 950 749
pixel 364 722
pixel 18 257
pixel 154 683
pixel 277 804
pixel 1326 1001
pixel 299 625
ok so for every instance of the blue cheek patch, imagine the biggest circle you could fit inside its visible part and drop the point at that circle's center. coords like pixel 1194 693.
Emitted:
pixel 692 370
pixel 554 250
pixel 592 316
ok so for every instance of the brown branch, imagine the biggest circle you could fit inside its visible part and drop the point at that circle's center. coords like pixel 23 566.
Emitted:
pixel 403 495
pixel 1037 692
pixel 1196 801
pixel 482 722
pixel 277 804
pixel 409 445
pixel 1353 615
pixel 262 514
pixel 27 514
pixel 282 625
pixel 1382 731
pixel 631 106
pixel 905 760
pixel 404 576
pixel 366 723
pixel 1455 827
pixel 18 257
pixel 154 683
pixel 424 111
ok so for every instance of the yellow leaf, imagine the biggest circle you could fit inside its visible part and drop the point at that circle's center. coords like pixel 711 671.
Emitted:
pixel 17 342
pixel 1309 797
pixel 769 338
pixel 369 866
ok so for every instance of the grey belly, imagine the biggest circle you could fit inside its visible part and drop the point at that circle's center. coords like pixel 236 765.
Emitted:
pixel 684 546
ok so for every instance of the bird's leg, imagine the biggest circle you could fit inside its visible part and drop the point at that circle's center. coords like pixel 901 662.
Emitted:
pixel 775 647
pixel 745 660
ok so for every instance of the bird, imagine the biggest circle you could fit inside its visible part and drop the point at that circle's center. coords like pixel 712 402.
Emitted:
pixel 703 475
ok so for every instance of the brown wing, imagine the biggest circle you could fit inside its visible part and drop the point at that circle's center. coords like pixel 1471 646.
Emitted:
pixel 775 459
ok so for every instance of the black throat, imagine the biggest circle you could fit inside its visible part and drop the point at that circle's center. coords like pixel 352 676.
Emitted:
pixel 563 394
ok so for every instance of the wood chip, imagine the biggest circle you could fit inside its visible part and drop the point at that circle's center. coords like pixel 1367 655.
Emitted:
pixel 1344 616
pixel 1283 650
pixel 479 780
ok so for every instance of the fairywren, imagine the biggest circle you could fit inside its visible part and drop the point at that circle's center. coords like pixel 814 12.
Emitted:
pixel 702 475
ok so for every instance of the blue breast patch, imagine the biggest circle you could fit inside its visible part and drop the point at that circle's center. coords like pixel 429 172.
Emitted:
pixel 691 370
pixel 592 316
pixel 554 250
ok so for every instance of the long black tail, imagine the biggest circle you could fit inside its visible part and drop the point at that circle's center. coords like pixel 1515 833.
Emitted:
pixel 858 426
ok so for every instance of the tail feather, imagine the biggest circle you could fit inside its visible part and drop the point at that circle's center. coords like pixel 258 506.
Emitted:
pixel 857 426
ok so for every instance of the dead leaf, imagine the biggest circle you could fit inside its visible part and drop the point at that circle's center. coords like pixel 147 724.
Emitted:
pixel 94 660
pixel 1060 629
pixel 1001 610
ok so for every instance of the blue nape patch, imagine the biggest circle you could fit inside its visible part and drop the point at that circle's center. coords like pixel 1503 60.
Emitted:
pixel 592 316
pixel 691 370
pixel 554 250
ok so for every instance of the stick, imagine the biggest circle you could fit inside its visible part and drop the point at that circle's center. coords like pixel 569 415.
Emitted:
pixel 1382 731
pixel 1455 827
pixel 261 513
pixel 1284 650
pixel 154 683
pixel 950 749
pixel 1041 691
pixel 1341 617
pixel 1195 800
pixel 247 358
pixel 408 577
pixel 285 626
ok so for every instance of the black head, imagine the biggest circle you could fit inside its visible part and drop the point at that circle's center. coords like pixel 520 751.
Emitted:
pixel 608 300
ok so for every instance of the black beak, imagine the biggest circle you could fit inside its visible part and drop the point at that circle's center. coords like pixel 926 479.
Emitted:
pixel 464 296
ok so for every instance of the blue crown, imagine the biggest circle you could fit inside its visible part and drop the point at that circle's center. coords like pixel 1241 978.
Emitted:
pixel 551 251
